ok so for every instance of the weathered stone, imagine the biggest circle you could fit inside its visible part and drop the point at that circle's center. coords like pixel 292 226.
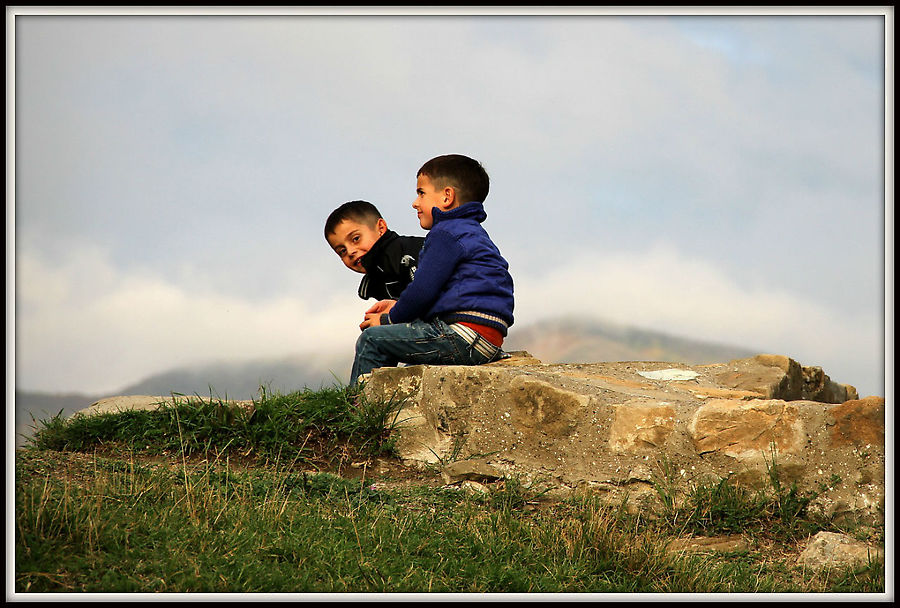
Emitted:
pixel 601 380
pixel 708 392
pixel 780 377
pixel 744 429
pixel 710 544
pixel 857 422
pixel 610 426
pixel 517 357
pixel 641 426
pixel 832 550
pixel 619 428
pixel 473 487
pixel 470 470
pixel 541 406
pixel 670 374
pixel 843 506
pixel 124 403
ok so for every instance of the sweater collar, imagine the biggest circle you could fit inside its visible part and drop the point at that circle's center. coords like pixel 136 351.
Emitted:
pixel 473 210
pixel 368 260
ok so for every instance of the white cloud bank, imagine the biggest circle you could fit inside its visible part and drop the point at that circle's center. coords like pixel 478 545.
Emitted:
pixel 665 290
pixel 120 328
pixel 117 329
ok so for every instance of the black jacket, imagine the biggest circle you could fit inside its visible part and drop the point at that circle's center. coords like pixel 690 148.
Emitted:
pixel 390 266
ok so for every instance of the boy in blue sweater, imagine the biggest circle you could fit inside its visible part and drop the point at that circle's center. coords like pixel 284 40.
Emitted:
pixel 459 306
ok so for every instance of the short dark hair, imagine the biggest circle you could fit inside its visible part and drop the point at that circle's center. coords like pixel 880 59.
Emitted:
pixel 464 174
pixel 363 212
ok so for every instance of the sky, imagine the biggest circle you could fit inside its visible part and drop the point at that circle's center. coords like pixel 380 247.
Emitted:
pixel 714 176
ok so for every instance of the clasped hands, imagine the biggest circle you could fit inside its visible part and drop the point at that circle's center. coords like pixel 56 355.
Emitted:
pixel 372 316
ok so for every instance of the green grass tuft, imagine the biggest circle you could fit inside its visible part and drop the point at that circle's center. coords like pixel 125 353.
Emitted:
pixel 300 425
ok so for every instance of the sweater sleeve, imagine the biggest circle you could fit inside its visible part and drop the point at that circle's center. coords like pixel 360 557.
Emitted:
pixel 438 260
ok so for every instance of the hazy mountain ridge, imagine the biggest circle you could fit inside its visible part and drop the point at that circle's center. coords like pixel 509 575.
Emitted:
pixel 573 340
pixel 239 380
pixel 243 379
pixel 565 340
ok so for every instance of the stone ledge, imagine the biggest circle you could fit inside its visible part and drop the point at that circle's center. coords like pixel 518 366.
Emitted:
pixel 622 427
pixel 124 403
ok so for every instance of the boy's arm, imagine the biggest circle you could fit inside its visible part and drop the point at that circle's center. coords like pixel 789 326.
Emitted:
pixel 436 265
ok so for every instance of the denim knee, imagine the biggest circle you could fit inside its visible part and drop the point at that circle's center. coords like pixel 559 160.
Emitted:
pixel 362 339
pixel 367 335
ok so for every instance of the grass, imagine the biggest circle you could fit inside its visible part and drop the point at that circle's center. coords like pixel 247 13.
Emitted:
pixel 275 426
pixel 722 507
pixel 205 498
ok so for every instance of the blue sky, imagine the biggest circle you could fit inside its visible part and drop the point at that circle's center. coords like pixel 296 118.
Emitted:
pixel 718 177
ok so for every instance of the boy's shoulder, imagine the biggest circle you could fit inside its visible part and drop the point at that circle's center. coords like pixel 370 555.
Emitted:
pixel 462 224
pixel 410 241
pixel 390 265
pixel 399 243
pixel 388 251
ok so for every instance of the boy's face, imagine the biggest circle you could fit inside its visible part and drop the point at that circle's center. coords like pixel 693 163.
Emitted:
pixel 428 197
pixel 351 240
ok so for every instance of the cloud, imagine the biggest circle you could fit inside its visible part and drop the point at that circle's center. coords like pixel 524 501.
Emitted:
pixel 665 290
pixel 85 326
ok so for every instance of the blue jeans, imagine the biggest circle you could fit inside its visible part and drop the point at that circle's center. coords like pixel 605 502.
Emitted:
pixel 415 343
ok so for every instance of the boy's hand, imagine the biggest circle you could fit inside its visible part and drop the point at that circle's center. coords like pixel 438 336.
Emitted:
pixel 373 315
pixel 370 320
pixel 381 307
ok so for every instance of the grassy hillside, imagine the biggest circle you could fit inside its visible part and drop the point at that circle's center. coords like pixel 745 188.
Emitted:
pixel 301 494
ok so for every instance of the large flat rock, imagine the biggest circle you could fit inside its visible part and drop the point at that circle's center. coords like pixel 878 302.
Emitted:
pixel 635 426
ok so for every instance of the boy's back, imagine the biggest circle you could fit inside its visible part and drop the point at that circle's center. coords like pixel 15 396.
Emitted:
pixel 465 278
pixel 390 266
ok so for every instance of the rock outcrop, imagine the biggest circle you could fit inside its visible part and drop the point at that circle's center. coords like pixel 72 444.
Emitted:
pixel 636 427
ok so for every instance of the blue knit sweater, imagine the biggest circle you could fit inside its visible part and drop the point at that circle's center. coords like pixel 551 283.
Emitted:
pixel 461 274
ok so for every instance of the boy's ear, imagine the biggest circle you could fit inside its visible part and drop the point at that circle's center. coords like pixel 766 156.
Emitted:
pixel 449 197
pixel 381 226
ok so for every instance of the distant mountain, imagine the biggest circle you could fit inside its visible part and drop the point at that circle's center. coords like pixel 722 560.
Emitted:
pixel 238 380
pixel 564 340
pixel 43 406
pixel 243 379
pixel 576 340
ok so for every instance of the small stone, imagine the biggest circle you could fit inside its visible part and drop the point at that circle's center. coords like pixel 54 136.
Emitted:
pixel 833 550
pixel 470 470
pixel 670 374
pixel 473 487
pixel 711 544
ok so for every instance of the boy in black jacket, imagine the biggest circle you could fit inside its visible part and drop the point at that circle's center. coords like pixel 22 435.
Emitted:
pixel 360 236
